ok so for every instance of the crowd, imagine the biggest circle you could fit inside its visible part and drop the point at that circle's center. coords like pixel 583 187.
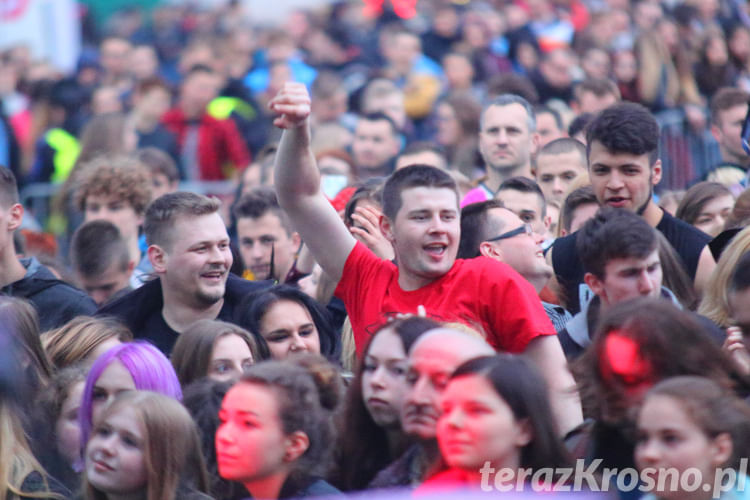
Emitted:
pixel 419 246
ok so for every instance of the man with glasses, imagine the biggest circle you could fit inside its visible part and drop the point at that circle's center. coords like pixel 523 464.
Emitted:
pixel 524 198
pixel 490 230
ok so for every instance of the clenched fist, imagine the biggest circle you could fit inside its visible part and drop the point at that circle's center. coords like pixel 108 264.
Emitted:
pixel 291 104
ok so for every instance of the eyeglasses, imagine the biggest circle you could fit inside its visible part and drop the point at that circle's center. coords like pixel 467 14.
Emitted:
pixel 526 228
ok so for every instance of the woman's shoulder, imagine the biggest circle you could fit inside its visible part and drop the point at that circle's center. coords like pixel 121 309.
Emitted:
pixel 319 487
pixel 307 486
pixel 36 483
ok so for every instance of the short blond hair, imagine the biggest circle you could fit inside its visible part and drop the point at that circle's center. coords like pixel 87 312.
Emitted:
pixel 162 213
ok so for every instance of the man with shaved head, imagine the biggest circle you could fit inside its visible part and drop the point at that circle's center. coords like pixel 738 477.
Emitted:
pixel 432 359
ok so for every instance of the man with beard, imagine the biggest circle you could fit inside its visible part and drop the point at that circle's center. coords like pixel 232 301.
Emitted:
pixel 624 166
pixel 188 247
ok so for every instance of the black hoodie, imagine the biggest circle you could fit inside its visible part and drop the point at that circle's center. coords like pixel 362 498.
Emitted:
pixel 56 301
pixel 141 309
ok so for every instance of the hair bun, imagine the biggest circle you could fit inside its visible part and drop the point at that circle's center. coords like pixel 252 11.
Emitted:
pixel 326 377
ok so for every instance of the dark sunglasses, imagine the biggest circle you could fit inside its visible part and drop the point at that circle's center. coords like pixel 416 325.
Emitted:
pixel 526 228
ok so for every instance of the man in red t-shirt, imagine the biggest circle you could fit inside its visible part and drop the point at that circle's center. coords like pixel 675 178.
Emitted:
pixel 421 220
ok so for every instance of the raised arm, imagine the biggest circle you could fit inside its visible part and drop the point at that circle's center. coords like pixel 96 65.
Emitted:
pixel 297 181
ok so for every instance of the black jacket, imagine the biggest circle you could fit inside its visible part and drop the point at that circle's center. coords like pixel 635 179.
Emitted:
pixel 141 309
pixel 56 301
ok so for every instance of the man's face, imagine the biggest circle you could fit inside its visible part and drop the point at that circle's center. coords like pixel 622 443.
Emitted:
pixel 144 62
pixel 10 220
pixel 589 102
pixel 505 141
pixel 374 144
pixel 622 180
pixel 523 252
pixel 556 69
pixel 115 210
pixel 330 109
pixel 258 239
pixel 527 206
pixel 555 173
pixel 425 234
pixel 458 71
pixel 628 278
pixel 596 63
pixel 196 260
pixel 161 185
pixel 114 56
pixel 103 286
pixel 198 90
pixel 431 363
pixel 547 128
pixel 391 105
pixel 404 51
pixel 728 131
pixel 153 103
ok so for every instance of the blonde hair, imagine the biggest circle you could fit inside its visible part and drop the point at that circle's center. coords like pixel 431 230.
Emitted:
pixel 77 339
pixel 16 459
pixel 715 302
pixel 171 446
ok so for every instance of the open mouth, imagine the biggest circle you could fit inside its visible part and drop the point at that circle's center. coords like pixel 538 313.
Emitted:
pixel 436 249
pixel 617 201
pixel 213 275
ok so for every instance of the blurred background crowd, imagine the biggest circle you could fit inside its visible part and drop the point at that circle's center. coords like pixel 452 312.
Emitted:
pixel 441 60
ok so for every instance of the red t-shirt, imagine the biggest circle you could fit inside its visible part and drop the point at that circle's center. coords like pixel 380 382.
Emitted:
pixel 484 294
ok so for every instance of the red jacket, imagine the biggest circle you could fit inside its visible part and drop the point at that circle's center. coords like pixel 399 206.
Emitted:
pixel 219 143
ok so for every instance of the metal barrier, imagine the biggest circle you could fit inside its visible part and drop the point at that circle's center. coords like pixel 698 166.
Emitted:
pixel 686 156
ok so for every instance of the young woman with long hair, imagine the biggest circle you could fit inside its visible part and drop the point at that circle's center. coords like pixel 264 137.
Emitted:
pixel 144 446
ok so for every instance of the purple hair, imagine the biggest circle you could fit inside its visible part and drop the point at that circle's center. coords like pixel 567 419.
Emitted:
pixel 150 369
